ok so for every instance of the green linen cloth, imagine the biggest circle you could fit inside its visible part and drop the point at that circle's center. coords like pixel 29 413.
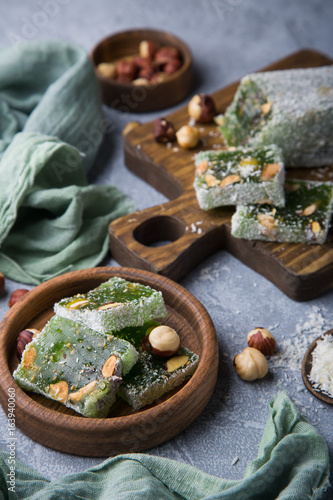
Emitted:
pixel 292 463
pixel 51 126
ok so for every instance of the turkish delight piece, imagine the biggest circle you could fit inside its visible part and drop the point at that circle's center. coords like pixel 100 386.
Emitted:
pixel 113 305
pixel 75 365
pixel 153 376
pixel 290 108
pixel 304 219
pixel 239 176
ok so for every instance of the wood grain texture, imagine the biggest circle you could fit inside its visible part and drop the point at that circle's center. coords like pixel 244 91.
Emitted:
pixel 306 370
pixel 142 98
pixel 301 271
pixel 60 428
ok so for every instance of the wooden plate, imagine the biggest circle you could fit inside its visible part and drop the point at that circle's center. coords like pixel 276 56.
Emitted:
pixel 306 369
pixel 60 428
pixel 301 271
pixel 142 98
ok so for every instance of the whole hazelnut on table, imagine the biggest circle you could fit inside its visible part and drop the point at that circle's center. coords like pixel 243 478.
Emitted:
pixel 202 108
pixel 162 340
pixel 250 364
pixel 2 282
pixel 16 296
pixel 24 338
pixel 164 131
pixel 263 340
pixel 188 137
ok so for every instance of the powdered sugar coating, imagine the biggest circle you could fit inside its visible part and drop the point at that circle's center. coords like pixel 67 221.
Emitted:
pixel 300 120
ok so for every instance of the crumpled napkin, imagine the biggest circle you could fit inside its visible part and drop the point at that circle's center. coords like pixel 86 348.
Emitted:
pixel 292 464
pixel 51 126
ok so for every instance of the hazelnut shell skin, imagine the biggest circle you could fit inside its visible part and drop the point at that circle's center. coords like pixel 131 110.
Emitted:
pixel 164 131
pixel 263 340
pixel 24 338
pixel 202 108
pixel 16 296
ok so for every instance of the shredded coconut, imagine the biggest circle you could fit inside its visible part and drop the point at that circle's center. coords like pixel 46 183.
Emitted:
pixel 292 348
pixel 321 375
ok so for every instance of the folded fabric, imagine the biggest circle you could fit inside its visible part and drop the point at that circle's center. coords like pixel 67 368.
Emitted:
pixel 292 463
pixel 51 127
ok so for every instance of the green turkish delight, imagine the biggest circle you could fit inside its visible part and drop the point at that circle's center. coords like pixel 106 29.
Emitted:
pixel 75 365
pixel 114 305
pixel 239 176
pixel 304 219
pixel 290 108
pixel 153 376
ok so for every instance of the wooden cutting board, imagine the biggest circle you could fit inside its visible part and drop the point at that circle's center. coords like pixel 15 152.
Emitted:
pixel 172 238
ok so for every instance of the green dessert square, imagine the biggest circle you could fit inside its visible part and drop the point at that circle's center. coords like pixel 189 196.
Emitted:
pixel 239 176
pixel 304 219
pixel 75 365
pixel 290 108
pixel 153 376
pixel 113 305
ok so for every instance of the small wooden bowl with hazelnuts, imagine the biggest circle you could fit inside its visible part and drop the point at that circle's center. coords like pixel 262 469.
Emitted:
pixel 142 70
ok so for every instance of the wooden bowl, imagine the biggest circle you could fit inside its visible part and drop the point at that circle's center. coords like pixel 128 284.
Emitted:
pixel 141 98
pixel 53 425
pixel 306 370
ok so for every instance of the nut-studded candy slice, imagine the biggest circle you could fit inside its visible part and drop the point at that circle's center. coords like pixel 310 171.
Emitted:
pixel 153 376
pixel 239 176
pixel 76 366
pixel 113 305
pixel 304 219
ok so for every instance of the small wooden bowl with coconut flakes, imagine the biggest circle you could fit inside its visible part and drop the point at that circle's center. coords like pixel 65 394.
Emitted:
pixel 317 368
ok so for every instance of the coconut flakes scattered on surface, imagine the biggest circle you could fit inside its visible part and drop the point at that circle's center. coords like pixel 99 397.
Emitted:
pixel 292 348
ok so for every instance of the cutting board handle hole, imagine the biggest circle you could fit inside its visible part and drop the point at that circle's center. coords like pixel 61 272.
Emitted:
pixel 159 231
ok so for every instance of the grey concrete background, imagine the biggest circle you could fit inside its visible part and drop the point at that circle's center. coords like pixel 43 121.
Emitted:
pixel 228 39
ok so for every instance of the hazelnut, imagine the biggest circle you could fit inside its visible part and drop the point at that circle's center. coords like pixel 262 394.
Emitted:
pixel 16 295
pixel 147 48
pixel 164 131
pixel 108 70
pixel 141 62
pixel 263 340
pixel 250 364
pixel 140 81
pixel 188 137
pixel 202 108
pixel 164 54
pixel 126 69
pixel 172 66
pixel 24 338
pixel 146 72
pixel 2 282
pixel 162 340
